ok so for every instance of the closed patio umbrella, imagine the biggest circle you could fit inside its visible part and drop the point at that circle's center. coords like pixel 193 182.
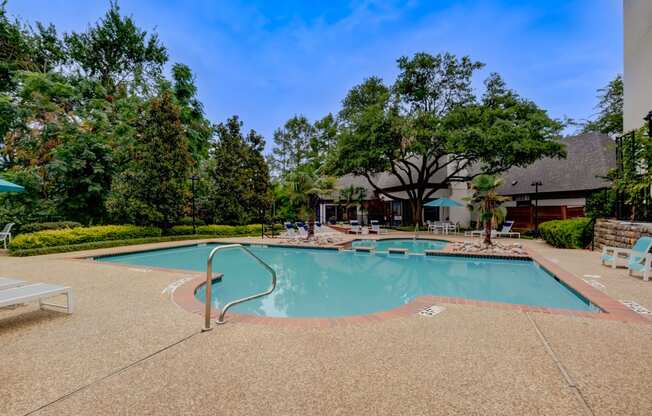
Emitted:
pixel 6 186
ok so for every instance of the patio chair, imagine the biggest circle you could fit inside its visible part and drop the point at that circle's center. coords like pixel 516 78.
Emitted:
pixel 318 227
pixel 641 265
pixel 289 230
pixel 303 230
pixel 355 227
pixel 8 283
pixel 611 255
pixel 375 227
pixel 36 292
pixel 506 231
pixel 5 234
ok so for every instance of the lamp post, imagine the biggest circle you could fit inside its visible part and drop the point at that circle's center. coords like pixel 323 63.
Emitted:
pixel 193 178
pixel 536 185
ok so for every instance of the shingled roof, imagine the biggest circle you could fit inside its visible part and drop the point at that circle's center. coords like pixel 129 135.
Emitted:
pixel 589 157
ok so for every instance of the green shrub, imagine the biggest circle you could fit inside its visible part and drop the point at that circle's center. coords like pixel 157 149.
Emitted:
pixel 217 230
pixel 102 244
pixel 188 221
pixel 42 226
pixel 571 233
pixel 79 235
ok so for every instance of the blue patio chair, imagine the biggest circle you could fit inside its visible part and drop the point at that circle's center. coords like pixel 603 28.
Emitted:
pixel 638 258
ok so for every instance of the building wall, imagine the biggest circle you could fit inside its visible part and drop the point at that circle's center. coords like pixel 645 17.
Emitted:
pixel 569 202
pixel 637 76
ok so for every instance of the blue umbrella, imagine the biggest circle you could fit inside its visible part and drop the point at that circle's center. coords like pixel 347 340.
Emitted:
pixel 6 186
pixel 443 202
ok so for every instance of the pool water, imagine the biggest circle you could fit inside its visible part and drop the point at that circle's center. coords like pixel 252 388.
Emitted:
pixel 412 245
pixel 329 283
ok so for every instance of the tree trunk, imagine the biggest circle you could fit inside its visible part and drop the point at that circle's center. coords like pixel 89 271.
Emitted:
pixel 487 226
pixel 417 209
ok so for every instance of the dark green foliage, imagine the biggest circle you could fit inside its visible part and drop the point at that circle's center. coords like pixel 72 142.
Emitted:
pixel 80 235
pixel 601 204
pixel 429 123
pixel 153 190
pixel 81 173
pixel 572 233
pixel 42 226
pixel 610 109
pixel 115 51
pixel 234 187
pixel 217 230
pixel 198 129
pixel 188 221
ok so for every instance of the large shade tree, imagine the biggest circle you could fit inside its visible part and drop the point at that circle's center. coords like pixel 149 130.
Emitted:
pixel 429 129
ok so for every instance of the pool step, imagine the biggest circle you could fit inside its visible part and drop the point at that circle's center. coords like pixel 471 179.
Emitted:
pixel 363 249
pixel 394 250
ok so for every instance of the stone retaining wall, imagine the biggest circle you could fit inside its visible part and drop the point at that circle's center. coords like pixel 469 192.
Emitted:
pixel 614 233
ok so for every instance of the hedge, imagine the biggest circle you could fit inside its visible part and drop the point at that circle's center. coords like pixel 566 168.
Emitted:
pixel 42 226
pixel 80 235
pixel 571 233
pixel 102 244
pixel 219 230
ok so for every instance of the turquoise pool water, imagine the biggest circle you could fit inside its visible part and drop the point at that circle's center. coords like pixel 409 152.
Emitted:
pixel 412 245
pixel 322 283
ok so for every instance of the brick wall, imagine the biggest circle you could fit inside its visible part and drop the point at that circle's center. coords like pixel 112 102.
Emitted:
pixel 615 233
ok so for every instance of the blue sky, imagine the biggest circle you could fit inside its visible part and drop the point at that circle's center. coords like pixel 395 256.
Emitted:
pixel 267 61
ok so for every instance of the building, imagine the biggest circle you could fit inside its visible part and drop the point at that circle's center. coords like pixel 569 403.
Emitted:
pixel 394 210
pixel 564 183
pixel 637 75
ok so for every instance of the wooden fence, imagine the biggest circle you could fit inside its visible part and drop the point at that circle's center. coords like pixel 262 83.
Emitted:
pixel 523 217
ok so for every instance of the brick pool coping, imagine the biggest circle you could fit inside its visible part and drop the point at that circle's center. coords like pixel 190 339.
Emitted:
pixel 184 295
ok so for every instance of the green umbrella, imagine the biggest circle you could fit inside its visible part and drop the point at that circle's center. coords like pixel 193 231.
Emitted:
pixel 443 202
pixel 6 186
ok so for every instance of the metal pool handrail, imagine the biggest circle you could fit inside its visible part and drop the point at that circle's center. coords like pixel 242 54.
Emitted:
pixel 209 281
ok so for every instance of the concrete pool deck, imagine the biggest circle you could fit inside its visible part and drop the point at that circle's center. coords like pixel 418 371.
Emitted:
pixel 128 349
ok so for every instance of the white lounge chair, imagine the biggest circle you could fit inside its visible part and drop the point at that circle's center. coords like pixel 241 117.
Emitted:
pixel 633 256
pixel 289 230
pixel 8 283
pixel 5 234
pixel 303 231
pixel 355 227
pixel 36 292
pixel 506 231
pixel 375 227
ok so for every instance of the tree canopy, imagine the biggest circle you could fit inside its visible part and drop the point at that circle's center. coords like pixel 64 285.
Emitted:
pixel 428 128
pixel 97 132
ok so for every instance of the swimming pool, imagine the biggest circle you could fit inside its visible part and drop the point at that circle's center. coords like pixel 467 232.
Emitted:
pixel 418 245
pixel 330 283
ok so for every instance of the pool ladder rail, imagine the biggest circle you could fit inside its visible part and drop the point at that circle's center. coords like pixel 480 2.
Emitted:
pixel 209 284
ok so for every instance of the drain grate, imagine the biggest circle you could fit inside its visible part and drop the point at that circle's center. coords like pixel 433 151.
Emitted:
pixel 432 311
pixel 637 307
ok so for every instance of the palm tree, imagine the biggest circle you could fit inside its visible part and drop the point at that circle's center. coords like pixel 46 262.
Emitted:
pixel 305 187
pixel 486 201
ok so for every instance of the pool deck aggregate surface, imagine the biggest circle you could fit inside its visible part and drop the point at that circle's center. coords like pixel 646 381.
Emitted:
pixel 128 349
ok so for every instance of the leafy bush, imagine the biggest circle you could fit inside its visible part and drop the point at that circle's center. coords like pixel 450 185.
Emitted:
pixel 217 230
pixel 54 238
pixel 571 233
pixel 188 221
pixel 42 226
pixel 601 204
pixel 101 244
